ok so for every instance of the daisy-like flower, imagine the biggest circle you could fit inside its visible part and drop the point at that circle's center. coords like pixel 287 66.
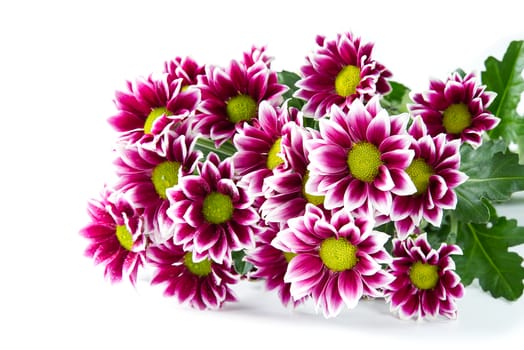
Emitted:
pixel 116 236
pixel 212 216
pixel 255 55
pixel 258 145
pixel 232 96
pixel 425 284
pixel 456 107
pixel 271 264
pixel 150 105
pixel 435 173
pixel 145 174
pixel 184 68
pixel 360 159
pixel 202 284
pixel 338 72
pixel 338 258
pixel 285 192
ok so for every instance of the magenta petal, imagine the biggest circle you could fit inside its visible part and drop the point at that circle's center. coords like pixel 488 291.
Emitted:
pixel 302 267
pixel 350 287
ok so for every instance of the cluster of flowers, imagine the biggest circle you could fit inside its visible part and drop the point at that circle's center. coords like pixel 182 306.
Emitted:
pixel 302 206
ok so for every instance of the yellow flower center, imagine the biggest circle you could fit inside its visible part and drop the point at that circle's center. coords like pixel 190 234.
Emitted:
pixel 347 81
pixel 217 208
pixel 419 171
pixel 456 118
pixel 363 161
pixel 289 255
pixel 201 268
pixel 241 107
pixel 154 115
pixel 423 276
pixel 338 254
pixel 315 200
pixel 273 159
pixel 125 238
pixel 164 176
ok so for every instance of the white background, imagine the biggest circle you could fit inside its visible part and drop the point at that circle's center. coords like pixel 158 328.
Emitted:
pixel 60 63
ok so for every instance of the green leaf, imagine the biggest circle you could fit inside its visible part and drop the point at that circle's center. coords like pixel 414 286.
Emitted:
pixel 395 102
pixel 493 175
pixel 289 79
pixel 227 149
pixel 487 258
pixel 241 266
pixel 504 78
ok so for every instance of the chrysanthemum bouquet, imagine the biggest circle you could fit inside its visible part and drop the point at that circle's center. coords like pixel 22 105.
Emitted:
pixel 333 184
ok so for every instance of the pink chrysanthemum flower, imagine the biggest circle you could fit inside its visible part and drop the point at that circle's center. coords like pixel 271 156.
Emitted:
pixel 271 264
pixel 435 173
pixel 425 282
pixel 212 216
pixel 184 68
pixel 285 192
pixel 338 258
pixel 232 96
pixel 338 72
pixel 256 54
pixel 202 284
pixel 145 174
pixel 360 159
pixel 456 107
pixel 259 145
pixel 116 236
pixel 150 105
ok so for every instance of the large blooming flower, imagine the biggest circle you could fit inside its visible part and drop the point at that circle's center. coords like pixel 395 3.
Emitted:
pixel 285 194
pixel 202 284
pixel 116 236
pixel 232 95
pixel 150 105
pixel 184 68
pixel 435 173
pixel 338 258
pixel 360 159
pixel 258 145
pixel 456 107
pixel 144 174
pixel 212 216
pixel 425 283
pixel 338 72
pixel 271 264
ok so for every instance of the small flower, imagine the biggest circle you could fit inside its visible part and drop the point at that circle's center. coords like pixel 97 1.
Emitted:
pixel 258 145
pixel 338 72
pixel 150 105
pixel 256 54
pixel 212 216
pixel 425 282
pixel 202 284
pixel 116 236
pixel 232 96
pixel 338 258
pixel 271 264
pixel 435 173
pixel 184 68
pixel 360 159
pixel 456 107
pixel 145 174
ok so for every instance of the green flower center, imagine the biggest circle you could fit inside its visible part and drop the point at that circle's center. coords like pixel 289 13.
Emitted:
pixel 364 161
pixel 419 171
pixel 289 255
pixel 201 268
pixel 165 175
pixel 423 276
pixel 273 160
pixel 347 81
pixel 217 208
pixel 125 238
pixel 338 254
pixel 456 118
pixel 241 107
pixel 315 200
pixel 154 115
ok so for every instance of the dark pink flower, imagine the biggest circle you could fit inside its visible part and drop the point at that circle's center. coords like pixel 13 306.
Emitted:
pixel 425 283
pixel 338 72
pixel 456 107
pixel 184 68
